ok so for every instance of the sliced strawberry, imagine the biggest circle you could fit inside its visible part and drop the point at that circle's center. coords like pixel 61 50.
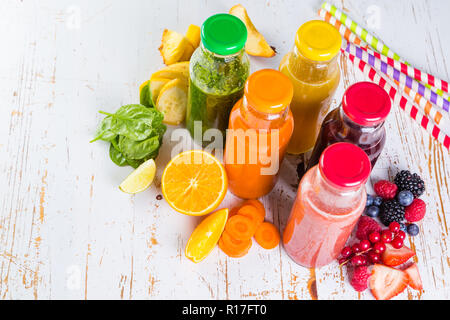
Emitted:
pixel 414 280
pixel 394 257
pixel 385 282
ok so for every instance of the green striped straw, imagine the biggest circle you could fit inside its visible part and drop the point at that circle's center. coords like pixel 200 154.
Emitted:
pixel 374 42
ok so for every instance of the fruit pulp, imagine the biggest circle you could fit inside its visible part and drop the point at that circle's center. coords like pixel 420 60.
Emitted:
pixel 245 179
pixel 321 220
pixel 314 86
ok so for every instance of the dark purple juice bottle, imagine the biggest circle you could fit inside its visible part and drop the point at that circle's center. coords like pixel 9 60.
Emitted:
pixel 359 120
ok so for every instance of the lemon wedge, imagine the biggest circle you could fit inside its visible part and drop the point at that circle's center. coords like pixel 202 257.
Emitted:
pixel 140 179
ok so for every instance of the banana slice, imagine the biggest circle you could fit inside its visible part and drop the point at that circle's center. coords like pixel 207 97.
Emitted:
pixel 172 101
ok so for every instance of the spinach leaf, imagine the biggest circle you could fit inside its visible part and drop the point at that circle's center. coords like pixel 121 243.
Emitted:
pixel 132 121
pixel 104 131
pixel 134 163
pixel 135 133
pixel 138 149
pixel 117 157
pixel 145 96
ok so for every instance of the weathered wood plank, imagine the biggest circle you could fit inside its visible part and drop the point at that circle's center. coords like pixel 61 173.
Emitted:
pixel 67 232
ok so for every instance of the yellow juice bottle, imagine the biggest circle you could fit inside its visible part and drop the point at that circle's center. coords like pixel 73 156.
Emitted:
pixel 312 66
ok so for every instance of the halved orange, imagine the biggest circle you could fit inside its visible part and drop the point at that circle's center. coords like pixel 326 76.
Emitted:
pixel 194 183
pixel 206 235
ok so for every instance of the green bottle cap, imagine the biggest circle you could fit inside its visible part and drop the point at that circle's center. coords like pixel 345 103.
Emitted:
pixel 224 34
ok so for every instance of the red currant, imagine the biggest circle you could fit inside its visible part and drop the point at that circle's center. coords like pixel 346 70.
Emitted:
pixel 356 248
pixel 374 257
pixel 342 261
pixel 386 236
pixel 346 252
pixel 379 247
pixel 357 261
pixel 394 226
pixel 364 260
pixel 401 234
pixel 374 237
pixel 365 245
pixel 397 243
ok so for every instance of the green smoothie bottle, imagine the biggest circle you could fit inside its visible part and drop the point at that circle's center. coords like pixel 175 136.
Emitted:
pixel 219 69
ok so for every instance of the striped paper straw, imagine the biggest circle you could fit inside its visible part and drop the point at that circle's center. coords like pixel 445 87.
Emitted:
pixel 343 30
pixel 411 71
pixel 398 98
pixel 427 107
pixel 400 77
pixel 374 42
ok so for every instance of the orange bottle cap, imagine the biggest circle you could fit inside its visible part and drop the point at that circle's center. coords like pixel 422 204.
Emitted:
pixel 318 40
pixel 269 91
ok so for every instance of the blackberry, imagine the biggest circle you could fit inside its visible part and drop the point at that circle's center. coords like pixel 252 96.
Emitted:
pixel 391 211
pixel 411 182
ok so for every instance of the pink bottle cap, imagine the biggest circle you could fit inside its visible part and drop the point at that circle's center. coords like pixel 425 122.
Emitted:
pixel 345 165
pixel 366 103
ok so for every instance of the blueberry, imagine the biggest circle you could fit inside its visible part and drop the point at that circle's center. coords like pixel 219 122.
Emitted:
pixel 405 198
pixel 372 211
pixel 378 201
pixel 413 229
pixel 369 201
pixel 403 227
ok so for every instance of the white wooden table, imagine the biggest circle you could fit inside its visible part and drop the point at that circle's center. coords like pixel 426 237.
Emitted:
pixel 67 232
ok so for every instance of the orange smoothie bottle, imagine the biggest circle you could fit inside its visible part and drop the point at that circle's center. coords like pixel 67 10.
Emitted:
pixel 259 131
pixel 330 199
pixel 312 66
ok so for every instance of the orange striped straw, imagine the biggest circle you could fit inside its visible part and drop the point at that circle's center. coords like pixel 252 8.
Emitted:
pixel 426 106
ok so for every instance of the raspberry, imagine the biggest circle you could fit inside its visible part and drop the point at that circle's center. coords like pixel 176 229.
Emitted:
pixel 385 189
pixel 366 226
pixel 415 211
pixel 359 277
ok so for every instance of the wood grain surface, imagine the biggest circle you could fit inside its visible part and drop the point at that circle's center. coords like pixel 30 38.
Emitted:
pixel 67 232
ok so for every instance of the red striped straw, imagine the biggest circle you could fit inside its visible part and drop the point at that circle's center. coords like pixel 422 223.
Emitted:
pixel 383 81
pixel 411 71
pixel 429 109
pixel 343 30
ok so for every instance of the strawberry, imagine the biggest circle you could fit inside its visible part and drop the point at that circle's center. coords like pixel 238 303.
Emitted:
pixel 414 280
pixel 394 257
pixel 385 282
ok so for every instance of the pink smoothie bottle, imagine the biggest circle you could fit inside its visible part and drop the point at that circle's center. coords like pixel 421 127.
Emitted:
pixel 330 199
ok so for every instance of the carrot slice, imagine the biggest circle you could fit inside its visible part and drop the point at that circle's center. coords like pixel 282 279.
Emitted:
pixel 232 247
pixel 253 213
pixel 267 235
pixel 233 212
pixel 240 227
pixel 257 204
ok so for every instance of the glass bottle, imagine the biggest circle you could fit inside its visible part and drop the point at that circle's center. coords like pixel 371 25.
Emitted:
pixel 359 120
pixel 312 66
pixel 260 128
pixel 218 71
pixel 330 199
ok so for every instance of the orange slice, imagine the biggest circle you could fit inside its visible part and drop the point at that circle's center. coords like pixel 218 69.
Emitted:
pixel 194 183
pixel 206 235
